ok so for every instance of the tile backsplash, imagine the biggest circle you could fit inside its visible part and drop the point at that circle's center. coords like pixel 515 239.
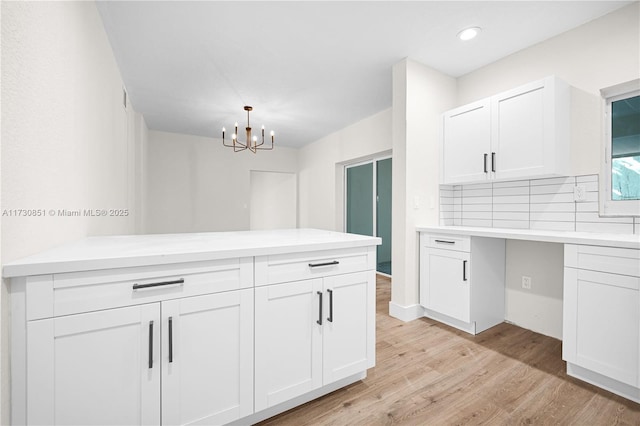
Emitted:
pixel 531 204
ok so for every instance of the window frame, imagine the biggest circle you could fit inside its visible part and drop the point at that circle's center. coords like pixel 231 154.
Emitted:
pixel 609 207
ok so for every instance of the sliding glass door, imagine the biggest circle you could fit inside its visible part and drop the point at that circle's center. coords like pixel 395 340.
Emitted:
pixel 368 205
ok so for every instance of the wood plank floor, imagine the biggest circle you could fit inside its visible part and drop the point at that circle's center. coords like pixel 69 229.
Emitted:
pixel 427 373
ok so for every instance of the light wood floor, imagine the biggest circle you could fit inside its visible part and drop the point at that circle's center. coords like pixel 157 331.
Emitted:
pixel 427 373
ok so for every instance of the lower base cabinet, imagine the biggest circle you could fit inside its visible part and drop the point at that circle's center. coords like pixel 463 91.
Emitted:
pixel 601 324
pixel 195 355
pixel 462 280
pixel 95 368
pixel 191 343
pixel 207 362
pixel 311 333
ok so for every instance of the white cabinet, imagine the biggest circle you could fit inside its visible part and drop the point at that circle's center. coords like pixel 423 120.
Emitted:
pixel 95 368
pixel 207 358
pixel 166 336
pixel 601 317
pixel 520 133
pixel 462 280
pixel 313 332
pixel 467 143
pixel 288 341
pixel 175 356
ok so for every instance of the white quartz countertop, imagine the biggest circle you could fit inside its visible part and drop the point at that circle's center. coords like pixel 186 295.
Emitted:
pixel 141 250
pixel 587 238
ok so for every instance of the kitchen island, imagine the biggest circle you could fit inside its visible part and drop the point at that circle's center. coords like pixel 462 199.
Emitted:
pixel 187 328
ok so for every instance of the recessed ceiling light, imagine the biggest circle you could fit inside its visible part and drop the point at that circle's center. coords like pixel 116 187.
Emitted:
pixel 469 33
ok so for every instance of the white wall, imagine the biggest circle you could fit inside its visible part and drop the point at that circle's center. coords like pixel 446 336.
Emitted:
pixel 320 179
pixel 420 96
pixel 273 200
pixel 65 138
pixel 598 54
pixel 194 184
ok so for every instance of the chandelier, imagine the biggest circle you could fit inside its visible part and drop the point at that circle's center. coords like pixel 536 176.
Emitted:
pixel 251 143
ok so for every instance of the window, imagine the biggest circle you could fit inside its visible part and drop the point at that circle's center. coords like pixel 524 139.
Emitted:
pixel 620 179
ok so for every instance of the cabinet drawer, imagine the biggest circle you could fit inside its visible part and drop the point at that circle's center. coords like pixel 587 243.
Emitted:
pixel 446 241
pixel 282 268
pixel 603 259
pixel 77 292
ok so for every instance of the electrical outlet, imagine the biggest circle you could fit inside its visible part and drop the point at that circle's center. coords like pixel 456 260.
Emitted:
pixel 526 282
pixel 579 193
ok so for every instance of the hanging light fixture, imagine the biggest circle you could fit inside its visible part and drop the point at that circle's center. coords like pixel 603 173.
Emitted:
pixel 251 143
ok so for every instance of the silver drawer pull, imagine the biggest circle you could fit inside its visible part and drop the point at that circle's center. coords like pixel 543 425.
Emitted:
pixel 160 284
pixel 317 265
pixel 445 242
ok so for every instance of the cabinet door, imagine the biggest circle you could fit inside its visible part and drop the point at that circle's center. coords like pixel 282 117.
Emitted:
pixel 448 285
pixel 95 368
pixel 207 358
pixel 288 345
pixel 349 325
pixel 601 325
pixel 466 141
pixel 530 134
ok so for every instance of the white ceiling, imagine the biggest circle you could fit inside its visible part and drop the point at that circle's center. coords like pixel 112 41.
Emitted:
pixel 308 68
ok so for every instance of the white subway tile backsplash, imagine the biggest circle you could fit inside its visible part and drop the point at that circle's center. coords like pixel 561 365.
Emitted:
pixel 553 181
pixel 553 226
pixel 563 197
pixel 553 217
pixel 546 204
pixel 511 190
pixel 487 215
pixel 476 200
pixel 587 207
pixel 476 222
pixel 477 208
pixel 512 224
pixel 511 207
pixel 519 216
pixel 511 199
pixel 481 192
pixel 605 227
pixel 553 189
pixel 587 178
pixel 556 207
pixel 595 217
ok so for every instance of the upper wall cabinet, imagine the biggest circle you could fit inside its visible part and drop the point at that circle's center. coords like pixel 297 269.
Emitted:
pixel 518 134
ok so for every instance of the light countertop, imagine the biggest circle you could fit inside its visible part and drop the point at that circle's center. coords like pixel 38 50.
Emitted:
pixel 562 237
pixel 141 250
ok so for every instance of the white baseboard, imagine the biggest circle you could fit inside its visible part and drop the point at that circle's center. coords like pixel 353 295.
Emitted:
pixel 406 313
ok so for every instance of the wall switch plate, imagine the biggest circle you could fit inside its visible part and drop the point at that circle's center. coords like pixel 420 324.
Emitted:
pixel 579 193
pixel 526 282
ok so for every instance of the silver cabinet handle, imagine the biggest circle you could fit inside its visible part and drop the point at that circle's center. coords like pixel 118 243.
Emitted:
pixel 317 265
pixel 319 320
pixel 150 344
pixel 160 284
pixel 464 270
pixel 445 242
